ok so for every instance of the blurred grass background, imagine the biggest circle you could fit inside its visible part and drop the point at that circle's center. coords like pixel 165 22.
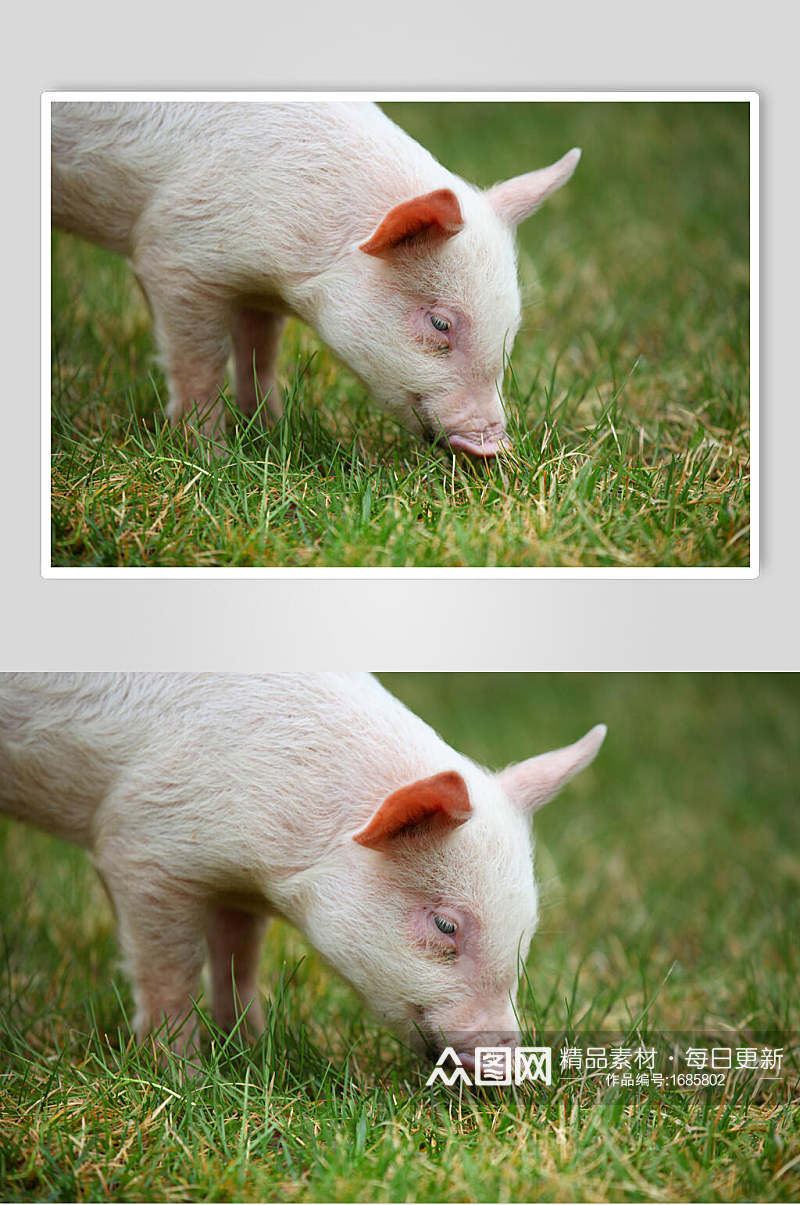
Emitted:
pixel 628 390
pixel 669 874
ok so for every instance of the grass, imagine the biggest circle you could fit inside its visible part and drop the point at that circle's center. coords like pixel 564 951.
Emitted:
pixel 670 877
pixel 628 390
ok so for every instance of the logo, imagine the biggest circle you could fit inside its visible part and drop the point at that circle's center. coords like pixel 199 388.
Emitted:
pixel 675 1061
pixel 499 1066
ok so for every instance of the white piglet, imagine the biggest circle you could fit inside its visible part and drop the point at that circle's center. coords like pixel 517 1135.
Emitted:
pixel 237 215
pixel 211 802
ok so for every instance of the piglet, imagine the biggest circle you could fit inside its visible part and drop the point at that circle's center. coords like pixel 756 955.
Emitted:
pixel 210 803
pixel 237 215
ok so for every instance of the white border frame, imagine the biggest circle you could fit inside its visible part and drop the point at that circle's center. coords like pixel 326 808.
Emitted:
pixel 710 96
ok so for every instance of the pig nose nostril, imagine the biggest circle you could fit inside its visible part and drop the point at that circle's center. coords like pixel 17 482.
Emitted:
pixel 482 445
pixel 466 1046
pixel 467 1059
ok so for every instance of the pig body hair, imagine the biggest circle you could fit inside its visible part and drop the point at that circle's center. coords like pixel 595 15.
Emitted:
pixel 237 215
pixel 210 802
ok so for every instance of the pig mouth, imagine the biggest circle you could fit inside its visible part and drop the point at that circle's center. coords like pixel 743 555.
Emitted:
pixel 482 445
pixel 464 1044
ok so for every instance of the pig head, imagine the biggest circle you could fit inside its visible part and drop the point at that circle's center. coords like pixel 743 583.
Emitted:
pixel 427 320
pixel 441 903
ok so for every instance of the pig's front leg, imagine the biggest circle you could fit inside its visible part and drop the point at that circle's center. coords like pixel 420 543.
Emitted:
pixel 161 934
pixel 191 327
pixel 234 944
pixel 256 338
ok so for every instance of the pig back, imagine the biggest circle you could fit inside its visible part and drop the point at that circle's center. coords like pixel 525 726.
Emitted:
pixel 107 160
pixel 249 192
pixel 64 740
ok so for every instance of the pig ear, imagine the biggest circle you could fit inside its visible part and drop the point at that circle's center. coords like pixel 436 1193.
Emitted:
pixel 530 784
pixel 436 214
pixel 515 200
pixel 442 800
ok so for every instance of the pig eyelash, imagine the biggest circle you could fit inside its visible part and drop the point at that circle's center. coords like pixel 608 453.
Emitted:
pixel 443 326
pixel 434 329
pixel 444 925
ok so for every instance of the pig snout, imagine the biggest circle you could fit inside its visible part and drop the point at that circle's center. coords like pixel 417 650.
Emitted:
pixel 478 429
pixel 483 444
pixel 496 1029
pixel 465 1049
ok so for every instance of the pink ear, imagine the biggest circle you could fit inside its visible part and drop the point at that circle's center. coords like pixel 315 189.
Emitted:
pixel 443 798
pixel 435 213
pixel 514 200
pixel 530 784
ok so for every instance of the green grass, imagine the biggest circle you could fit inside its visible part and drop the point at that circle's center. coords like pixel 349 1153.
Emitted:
pixel 628 389
pixel 670 876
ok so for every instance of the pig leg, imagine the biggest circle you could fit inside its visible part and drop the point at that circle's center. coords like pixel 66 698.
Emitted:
pixel 191 330
pixel 161 935
pixel 234 943
pixel 256 337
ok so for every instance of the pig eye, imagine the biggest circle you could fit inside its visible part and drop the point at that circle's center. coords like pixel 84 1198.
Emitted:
pixel 440 324
pixel 444 925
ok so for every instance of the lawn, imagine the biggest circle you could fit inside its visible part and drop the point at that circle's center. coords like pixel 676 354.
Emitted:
pixel 628 388
pixel 669 873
